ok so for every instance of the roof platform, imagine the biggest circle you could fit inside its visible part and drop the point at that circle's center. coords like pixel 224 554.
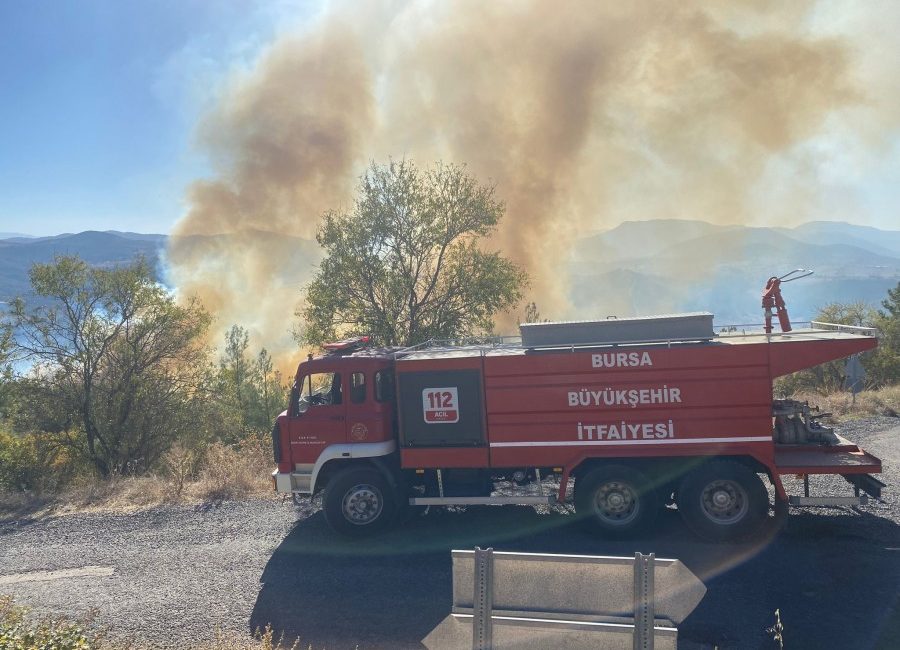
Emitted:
pixel 785 352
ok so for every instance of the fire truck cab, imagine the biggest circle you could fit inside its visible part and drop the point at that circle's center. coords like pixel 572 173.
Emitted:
pixel 341 407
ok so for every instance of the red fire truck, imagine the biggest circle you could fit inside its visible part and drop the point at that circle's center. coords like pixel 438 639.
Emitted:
pixel 631 414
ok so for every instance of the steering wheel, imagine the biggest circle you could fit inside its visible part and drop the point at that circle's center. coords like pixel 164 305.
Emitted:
pixel 320 399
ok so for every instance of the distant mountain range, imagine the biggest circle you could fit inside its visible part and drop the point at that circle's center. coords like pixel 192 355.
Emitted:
pixel 17 254
pixel 636 268
pixel 110 248
pixel 642 267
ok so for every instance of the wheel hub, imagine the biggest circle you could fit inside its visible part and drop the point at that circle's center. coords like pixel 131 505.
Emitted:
pixel 362 504
pixel 616 502
pixel 724 501
pixel 721 499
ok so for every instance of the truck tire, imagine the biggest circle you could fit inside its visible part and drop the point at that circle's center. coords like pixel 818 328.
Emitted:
pixel 359 501
pixel 615 500
pixel 723 501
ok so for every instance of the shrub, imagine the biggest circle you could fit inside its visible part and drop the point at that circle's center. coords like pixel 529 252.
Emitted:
pixel 235 471
pixel 188 474
pixel 18 463
pixel 181 464
pixel 35 463
pixel 17 633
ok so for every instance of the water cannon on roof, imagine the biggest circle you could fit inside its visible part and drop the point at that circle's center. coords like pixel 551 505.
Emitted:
pixel 772 300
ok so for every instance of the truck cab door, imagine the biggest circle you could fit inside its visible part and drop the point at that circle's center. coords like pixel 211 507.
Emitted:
pixel 369 405
pixel 320 419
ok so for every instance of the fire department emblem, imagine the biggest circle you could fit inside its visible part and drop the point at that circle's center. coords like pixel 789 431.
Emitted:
pixel 359 431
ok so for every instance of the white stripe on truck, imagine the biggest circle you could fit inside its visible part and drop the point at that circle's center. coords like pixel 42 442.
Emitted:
pixel 593 443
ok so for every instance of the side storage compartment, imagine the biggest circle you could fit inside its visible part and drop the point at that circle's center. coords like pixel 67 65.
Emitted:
pixel 441 408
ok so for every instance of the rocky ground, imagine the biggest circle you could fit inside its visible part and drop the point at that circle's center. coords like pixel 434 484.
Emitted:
pixel 171 575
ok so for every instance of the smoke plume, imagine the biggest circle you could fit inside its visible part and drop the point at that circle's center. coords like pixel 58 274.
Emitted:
pixel 582 114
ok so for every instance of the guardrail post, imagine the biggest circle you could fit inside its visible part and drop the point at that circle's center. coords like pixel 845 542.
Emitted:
pixel 483 599
pixel 644 610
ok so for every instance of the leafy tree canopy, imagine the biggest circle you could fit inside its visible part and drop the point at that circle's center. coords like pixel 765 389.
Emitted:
pixel 252 390
pixel 5 367
pixel 406 263
pixel 115 362
pixel 885 364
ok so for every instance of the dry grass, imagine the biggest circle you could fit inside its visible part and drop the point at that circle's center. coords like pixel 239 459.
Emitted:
pixel 884 401
pixel 262 640
pixel 235 472
pixel 220 472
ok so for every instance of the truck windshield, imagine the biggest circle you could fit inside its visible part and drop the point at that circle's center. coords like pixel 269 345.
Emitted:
pixel 319 389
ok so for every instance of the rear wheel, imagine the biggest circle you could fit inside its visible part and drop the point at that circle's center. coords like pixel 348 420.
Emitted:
pixel 723 500
pixel 359 501
pixel 615 500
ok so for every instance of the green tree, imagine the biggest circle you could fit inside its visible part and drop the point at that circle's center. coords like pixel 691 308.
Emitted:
pixel 5 369
pixel 233 368
pixel 829 377
pixel 406 263
pixel 251 390
pixel 271 391
pixel 884 367
pixel 116 362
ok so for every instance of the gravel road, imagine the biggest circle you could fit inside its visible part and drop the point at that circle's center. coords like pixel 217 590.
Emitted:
pixel 171 575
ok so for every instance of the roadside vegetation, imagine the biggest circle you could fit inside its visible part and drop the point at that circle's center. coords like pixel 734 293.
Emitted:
pixel 842 405
pixel 19 630
pixel 827 385
pixel 110 395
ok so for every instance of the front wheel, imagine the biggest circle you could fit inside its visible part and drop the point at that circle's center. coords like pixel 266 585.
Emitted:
pixel 723 501
pixel 359 501
pixel 615 500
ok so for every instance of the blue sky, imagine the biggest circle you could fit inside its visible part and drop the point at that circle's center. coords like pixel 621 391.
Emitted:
pixel 101 99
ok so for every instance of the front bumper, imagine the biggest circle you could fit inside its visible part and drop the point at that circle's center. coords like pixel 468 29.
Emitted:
pixel 291 482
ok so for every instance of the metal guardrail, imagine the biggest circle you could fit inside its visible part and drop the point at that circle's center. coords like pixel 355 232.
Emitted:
pixel 536 601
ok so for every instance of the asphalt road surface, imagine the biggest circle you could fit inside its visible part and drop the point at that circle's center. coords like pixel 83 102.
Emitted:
pixel 171 575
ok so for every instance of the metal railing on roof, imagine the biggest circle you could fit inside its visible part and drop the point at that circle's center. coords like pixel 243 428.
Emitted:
pixel 813 327
pixel 852 329
pixel 472 342
pixel 485 344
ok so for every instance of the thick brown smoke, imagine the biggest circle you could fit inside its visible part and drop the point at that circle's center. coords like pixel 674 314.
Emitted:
pixel 286 141
pixel 581 114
